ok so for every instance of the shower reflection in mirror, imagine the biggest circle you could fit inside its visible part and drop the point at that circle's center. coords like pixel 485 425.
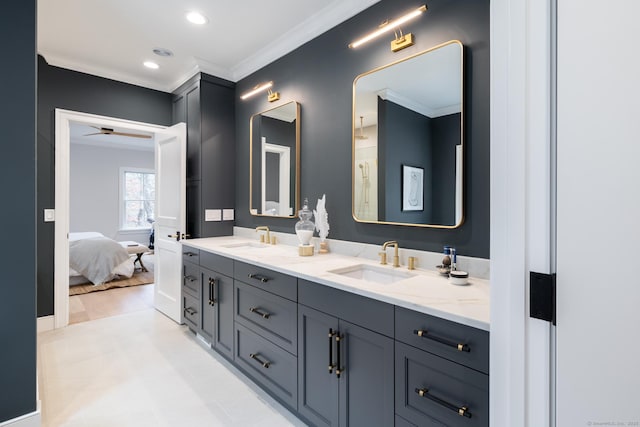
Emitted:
pixel 366 154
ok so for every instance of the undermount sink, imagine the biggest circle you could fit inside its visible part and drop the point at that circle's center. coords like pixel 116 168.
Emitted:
pixel 372 273
pixel 245 245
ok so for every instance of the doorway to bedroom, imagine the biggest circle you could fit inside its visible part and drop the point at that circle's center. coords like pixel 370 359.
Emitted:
pixel 111 215
pixel 113 211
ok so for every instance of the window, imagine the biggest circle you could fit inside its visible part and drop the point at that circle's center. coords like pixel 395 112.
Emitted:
pixel 137 198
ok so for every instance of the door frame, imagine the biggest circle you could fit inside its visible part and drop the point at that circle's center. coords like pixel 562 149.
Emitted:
pixel 63 120
pixel 522 34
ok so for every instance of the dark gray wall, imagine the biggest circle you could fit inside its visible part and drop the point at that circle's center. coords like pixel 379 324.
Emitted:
pixel 320 76
pixel 18 189
pixel 70 90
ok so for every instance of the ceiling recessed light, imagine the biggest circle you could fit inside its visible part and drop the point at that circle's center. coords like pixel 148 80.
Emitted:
pixel 151 65
pixel 160 51
pixel 197 18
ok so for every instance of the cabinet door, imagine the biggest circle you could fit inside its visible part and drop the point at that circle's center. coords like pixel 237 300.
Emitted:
pixel 223 294
pixel 194 136
pixel 217 311
pixel 208 308
pixel 317 387
pixel 366 379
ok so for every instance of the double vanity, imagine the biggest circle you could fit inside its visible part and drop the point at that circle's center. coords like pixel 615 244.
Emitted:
pixel 342 340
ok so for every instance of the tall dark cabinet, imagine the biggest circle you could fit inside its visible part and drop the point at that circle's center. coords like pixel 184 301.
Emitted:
pixel 206 104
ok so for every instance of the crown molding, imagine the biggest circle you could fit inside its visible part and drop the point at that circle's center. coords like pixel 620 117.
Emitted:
pixel 107 73
pixel 334 14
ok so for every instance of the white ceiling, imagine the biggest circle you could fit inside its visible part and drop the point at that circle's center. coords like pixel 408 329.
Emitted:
pixel 113 38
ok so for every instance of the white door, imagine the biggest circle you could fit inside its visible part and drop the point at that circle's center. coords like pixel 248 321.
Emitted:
pixel 171 155
pixel 598 289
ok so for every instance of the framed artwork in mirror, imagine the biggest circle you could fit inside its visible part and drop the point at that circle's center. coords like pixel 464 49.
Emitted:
pixel 412 188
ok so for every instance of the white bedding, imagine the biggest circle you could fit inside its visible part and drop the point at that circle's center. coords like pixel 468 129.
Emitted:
pixel 95 258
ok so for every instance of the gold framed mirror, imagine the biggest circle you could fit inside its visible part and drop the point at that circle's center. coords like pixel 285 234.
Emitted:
pixel 274 163
pixel 407 145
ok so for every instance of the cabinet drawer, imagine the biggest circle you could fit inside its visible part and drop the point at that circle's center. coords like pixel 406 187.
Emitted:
pixel 271 316
pixel 431 390
pixel 366 312
pixel 269 280
pixel 191 311
pixel 215 262
pixel 190 254
pixel 191 280
pixel 267 364
pixel 459 343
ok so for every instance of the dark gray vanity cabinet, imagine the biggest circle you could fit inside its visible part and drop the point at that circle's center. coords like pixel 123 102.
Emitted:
pixel 266 335
pixel 441 371
pixel 345 370
pixel 217 301
pixel 207 295
pixel 206 104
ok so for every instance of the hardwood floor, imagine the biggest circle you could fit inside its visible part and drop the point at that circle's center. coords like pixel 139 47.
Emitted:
pixel 112 302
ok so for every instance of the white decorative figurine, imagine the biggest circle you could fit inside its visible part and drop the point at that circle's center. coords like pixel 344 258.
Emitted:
pixel 322 223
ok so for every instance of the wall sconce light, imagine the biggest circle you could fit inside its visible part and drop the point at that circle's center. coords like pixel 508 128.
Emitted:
pixel 401 41
pixel 271 96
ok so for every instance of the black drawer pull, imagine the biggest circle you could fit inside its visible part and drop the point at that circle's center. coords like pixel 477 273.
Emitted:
pixel 190 311
pixel 212 290
pixel 256 357
pixel 190 278
pixel 260 277
pixel 189 254
pixel 425 334
pixel 257 311
pixel 332 334
pixel 463 411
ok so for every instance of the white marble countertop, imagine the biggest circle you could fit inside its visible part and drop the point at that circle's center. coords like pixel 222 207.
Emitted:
pixel 426 291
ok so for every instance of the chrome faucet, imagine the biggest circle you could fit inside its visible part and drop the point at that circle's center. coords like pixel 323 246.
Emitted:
pixel 264 228
pixel 396 258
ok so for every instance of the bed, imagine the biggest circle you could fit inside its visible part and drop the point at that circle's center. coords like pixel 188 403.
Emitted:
pixel 97 259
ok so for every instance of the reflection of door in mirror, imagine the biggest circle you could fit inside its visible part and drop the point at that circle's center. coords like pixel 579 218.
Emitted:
pixel 275 199
pixel 275 146
pixel 409 113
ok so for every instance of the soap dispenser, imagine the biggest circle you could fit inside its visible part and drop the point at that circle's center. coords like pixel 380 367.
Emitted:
pixel 304 230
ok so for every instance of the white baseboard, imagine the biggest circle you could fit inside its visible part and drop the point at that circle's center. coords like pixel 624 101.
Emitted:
pixel 45 323
pixel 28 420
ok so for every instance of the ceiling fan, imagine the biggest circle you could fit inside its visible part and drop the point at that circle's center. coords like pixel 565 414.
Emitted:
pixel 109 131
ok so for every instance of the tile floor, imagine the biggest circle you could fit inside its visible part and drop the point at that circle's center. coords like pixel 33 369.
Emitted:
pixel 142 369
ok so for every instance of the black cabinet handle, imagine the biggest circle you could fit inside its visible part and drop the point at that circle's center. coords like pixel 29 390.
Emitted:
pixel 190 311
pixel 339 369
pixel 190 278
pixel 331 365
pixel 425 334
pixel 212 291
pixel 463 411
pixel 257 311
pixel 256 357
pixel 259 277
pixel 189 254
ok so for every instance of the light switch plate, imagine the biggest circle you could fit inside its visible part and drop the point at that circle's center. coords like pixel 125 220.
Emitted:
pixel 49 215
